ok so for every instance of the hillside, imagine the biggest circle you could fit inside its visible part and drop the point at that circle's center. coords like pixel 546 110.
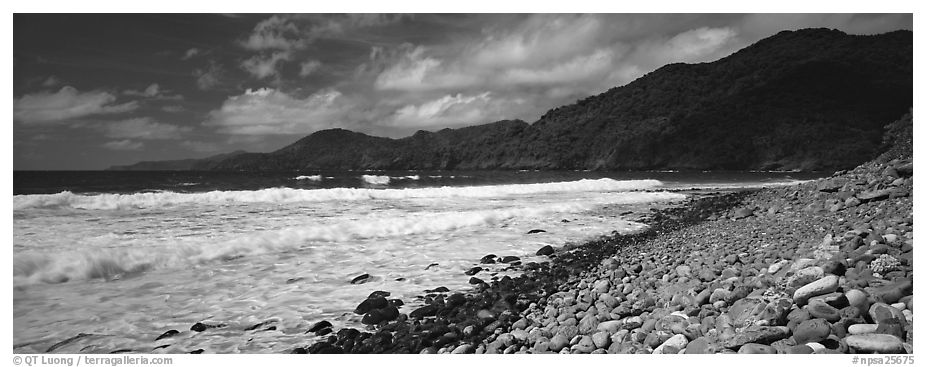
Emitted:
pixel 813 99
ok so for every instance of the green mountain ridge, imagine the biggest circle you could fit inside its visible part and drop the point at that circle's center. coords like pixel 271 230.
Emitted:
pixel 813 99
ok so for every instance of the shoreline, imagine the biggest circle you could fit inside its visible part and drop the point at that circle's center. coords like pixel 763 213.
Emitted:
pixel 788 269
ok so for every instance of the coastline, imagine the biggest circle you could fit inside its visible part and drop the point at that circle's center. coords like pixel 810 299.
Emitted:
pixel 820 267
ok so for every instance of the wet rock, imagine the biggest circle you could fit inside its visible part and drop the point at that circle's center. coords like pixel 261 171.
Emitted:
pixel 488 259
pixel 473 271
pixel 360 279
pixel 425 311
pixel 535 231
pixel 319 326
pixel 375 302
pixel 200 327
pixel 167 334
pixel 509 259
pixel 545 251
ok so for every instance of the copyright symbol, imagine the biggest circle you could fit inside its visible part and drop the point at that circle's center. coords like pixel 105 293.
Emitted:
pixel 17 360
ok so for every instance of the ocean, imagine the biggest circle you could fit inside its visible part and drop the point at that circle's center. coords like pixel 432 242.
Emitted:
pixel 126 256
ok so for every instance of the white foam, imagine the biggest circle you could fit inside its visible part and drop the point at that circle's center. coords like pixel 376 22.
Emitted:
pixel 375 180
pixel 109 262
pixel 284 195
pixel 310 178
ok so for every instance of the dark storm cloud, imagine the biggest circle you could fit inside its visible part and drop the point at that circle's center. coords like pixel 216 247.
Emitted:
pixel 168 86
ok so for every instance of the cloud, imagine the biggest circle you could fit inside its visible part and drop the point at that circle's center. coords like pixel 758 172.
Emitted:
pixel 264 66
pixel 189 54
pixel 309 67
pixel 209 77
pixel 67 103
pixel 51 81
pixel 276 32
pixel 413 71
pixel 268 111
pixel 451 110
pixel 142 128
pixel 152 91
pixel 125 144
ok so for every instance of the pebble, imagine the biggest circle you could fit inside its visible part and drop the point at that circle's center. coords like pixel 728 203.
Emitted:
pixel 676 342
pixel 862 329
pixel 558 342
pixel 811 331
pixel 755 348
pixel 825 285
pixel 877 343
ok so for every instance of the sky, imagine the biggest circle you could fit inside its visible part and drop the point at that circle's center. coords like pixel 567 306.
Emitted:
pixel 95 90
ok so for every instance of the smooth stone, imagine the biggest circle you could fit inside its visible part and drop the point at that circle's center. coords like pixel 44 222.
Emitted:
pixel 891 293
pixel 558 342
pixel 817 347
pixel 824 311
pixel 585 345
pixel 602 339
pixel 545 251
pixel 826 285
pixel 805 276
pixel 811 331
pixel 881 313
pixel 862 329
pixel 877 343
pixel 610 326
pixel 857 298
pixel 799 349
pixel 702 345
pixel 676 342
pixel 755 348
pixel 463 349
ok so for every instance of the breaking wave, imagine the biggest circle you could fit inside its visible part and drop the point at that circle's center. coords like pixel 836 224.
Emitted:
pixel 112 263
pixel 310 178
pixel 284 195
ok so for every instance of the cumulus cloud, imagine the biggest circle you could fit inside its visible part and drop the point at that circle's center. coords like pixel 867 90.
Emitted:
pixel 67 103
pixel 268 111
pixel 454 110
pixel 208 77
pixel 309 67
pixel 277 32
pixel 152 91
pixel 264 66
pixel 142 128
pixel 124 144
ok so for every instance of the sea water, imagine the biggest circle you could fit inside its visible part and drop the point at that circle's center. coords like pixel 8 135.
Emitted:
pixel 126 256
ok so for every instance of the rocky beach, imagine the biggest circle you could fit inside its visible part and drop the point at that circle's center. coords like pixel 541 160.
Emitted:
pixel 821 267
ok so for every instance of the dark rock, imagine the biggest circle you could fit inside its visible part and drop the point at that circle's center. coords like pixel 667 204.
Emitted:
pixel 488 259
pixel 200 327
pixel 475 280
pixel 258 325
pixel 431 265
pixel 456 299
pixel 545 251
pixel 535 231
pixel 67 341
pixel 198 351
pixel 440 289
pixel 160 347
pixel 372 303
pixel 429 310
pixel 360 279
pixel 473 271
pixel 379 294
pixel 167 334
pixel 396 303
pixel 320 325
pixel 299 350
pixel 324 331
pixel 377 316
pixel 508 259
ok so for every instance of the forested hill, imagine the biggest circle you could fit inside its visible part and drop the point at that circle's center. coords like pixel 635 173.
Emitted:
pixel 813 99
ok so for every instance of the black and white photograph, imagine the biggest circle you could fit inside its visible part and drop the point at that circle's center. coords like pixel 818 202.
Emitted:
pixel 461 183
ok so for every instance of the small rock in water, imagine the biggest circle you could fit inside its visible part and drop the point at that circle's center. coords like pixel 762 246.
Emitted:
pixel 168 334
pixel 508 259
pixel 319 325
pixel 200 327
pixel 545 251
pixel 360 279
pixel 440 289
pixel 535 231
pixel 431 265
pixel 488 259
pixel 473 271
